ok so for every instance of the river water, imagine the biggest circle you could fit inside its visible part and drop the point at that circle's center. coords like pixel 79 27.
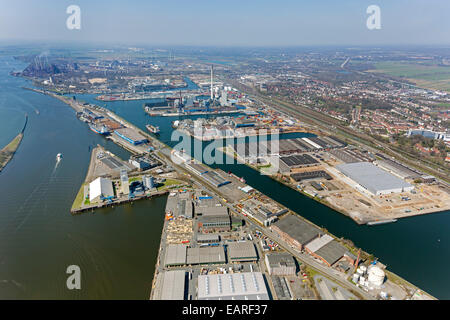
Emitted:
pixel 116 248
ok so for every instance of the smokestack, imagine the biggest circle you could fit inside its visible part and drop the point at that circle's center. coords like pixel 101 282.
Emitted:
pixel 211 82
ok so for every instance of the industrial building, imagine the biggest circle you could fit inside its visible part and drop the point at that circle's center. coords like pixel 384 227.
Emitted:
pixel 113 163
pixel 241 251
pixel 208 238
pixel 149 182
pixel 215 211
pixel 398 169
pixel 143 162
pixel 260 212
pixel 351 155
pixel 196 168
pixel 100 189
pixel 181 254
pixel 130 136
pixel 295 231
pixel 213 218
pixel 124 182
pixel 327 249
pixel 175 255
pixel 375 180
pixel 180 205
pixel 235 286
pixel 214 223
pixel 174 285
pixel 205 255
pixel 288 163
pixel 215 179
pixel 308 175
pixel 280 264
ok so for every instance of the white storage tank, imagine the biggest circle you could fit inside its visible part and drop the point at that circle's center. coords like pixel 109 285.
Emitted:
pixel 355 278
pixel 362 281
pixel 376 276
pixel 360 272
pixel 363 269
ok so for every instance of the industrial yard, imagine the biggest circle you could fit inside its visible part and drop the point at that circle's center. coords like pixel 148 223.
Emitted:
pixel 368 188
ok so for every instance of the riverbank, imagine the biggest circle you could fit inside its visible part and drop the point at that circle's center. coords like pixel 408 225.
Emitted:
pixel 148 135
pixel 7 153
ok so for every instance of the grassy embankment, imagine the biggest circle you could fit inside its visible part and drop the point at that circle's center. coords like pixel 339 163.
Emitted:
pixel 8 151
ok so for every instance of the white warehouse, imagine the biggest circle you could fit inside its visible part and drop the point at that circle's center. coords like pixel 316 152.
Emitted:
pixel 100 188
pixel 377 181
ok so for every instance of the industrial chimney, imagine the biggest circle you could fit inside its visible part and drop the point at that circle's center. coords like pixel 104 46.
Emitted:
pixel 211 83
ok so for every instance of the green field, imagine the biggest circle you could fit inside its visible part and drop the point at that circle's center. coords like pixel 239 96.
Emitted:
pixel 168 183
pixel 79 198
pixel 430 76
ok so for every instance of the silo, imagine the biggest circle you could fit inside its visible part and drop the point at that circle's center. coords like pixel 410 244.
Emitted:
pixel 376 276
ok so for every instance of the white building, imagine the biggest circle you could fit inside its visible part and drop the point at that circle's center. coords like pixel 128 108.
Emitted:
pixel 100 188
pixel 235 286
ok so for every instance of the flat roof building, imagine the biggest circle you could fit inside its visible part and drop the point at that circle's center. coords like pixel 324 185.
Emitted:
pixel 175 255
pixel 174 285
pixel 208 238
pixel 280 264
pixel 205 255
pixel 235 286
pixel 331 252
pixel 131 136
pixel 214 223
pixel 241 251
pixel 375 180
pixel 100 189
pixel 296 231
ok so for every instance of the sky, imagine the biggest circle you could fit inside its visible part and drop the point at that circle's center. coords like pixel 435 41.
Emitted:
pixel 228 22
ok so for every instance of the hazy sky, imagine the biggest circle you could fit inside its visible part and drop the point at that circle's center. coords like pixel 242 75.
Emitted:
pixel 229 22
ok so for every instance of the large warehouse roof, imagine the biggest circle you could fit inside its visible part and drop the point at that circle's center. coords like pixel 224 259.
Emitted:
pixel 242 251
pixel 236 286
pixel 205 255
pixel 174 285
pixel 372 178
pixel 331 252
pixel 298 229
pixel 176 255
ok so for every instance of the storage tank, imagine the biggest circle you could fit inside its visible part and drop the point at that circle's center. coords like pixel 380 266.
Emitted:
pixel 362 281
pixel 376 276
pixel 355 278
pixel 360 272
pixel 363 269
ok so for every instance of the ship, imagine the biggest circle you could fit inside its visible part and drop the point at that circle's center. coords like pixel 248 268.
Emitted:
pixel 152 129
pixel 58 157
pixel 100 129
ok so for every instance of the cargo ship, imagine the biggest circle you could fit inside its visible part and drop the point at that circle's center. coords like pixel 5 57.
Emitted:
pixel 152 129
pixel 100 129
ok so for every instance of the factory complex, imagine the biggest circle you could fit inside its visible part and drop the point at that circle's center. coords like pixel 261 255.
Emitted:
pixel 369 188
